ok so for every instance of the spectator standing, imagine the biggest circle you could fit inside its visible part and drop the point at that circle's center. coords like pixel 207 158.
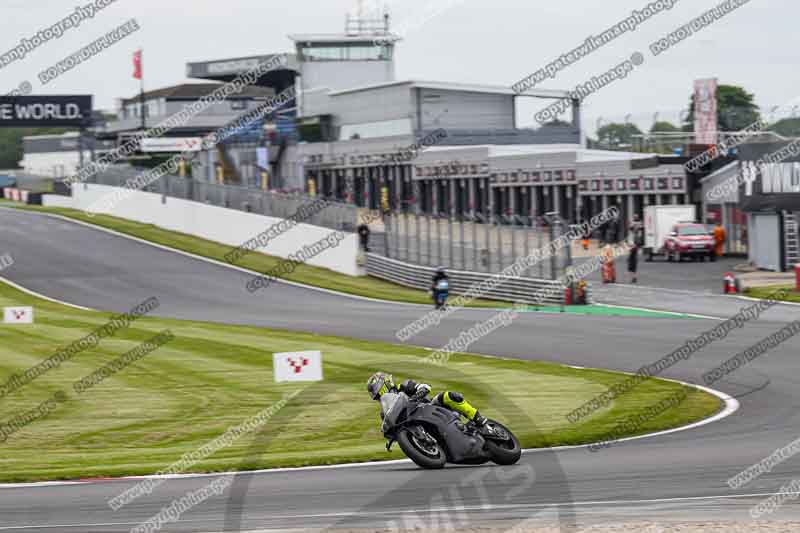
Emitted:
pixel 633 263
pixel 363 236
pixel 719 238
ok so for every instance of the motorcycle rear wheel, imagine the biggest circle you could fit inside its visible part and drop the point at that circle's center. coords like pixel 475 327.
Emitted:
pixel 424 455
pixel 503 452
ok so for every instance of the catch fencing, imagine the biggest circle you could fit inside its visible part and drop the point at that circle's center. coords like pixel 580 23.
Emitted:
pixel 472 245
pixel 335 215
pixel 524 290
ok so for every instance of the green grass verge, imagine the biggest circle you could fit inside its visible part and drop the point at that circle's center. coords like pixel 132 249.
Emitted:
pixel 212 377
pixel 306 274
pixel 769 292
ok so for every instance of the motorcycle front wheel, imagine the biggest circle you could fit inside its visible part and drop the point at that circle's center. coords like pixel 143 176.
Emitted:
pixel 426 453
pixel 503 447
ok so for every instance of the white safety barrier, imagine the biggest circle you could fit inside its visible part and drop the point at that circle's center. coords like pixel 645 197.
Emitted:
pixel 226 226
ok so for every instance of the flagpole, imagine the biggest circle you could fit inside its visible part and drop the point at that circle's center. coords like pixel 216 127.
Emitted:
pixel 141 89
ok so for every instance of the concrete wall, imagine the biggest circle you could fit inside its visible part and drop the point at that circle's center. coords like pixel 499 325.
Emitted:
pixel 53 165
pixel 374 105
pixel 218 224
pixel 465 110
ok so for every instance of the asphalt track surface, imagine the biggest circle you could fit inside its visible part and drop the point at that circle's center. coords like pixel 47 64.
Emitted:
pixel 680 476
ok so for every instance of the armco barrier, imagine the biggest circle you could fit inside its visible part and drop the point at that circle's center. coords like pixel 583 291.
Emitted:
pixel 524 290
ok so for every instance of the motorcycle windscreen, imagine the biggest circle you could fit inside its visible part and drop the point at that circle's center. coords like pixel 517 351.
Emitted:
pixel 392 405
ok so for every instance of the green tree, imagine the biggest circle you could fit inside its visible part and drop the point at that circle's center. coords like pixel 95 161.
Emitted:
pixel 735 109
pixel 616 134
pixel 788 127
pixel 11 150
pixel 663 126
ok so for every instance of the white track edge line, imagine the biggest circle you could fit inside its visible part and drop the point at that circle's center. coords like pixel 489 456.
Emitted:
pixel 731 406
pixel 42 296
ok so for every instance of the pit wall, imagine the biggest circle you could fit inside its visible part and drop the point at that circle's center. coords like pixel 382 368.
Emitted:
pixel 226 226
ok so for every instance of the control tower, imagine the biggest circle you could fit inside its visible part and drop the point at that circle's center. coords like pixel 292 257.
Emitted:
pixel 362 55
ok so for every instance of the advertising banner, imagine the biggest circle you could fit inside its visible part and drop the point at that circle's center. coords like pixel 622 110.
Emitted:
pixel 45 111
pixel 705 111
pixel 769 176
pixel 172 144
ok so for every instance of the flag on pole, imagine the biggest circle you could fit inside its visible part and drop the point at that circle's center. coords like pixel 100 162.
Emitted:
pixel 137 64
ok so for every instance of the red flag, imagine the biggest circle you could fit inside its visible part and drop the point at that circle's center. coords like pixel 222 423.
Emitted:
pixel 137 64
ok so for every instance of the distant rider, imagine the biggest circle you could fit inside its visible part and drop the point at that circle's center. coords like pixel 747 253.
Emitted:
pixel 440 275
pixel 380 383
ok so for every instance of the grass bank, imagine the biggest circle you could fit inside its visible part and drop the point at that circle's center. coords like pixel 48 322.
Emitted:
pixel 769 292
pixel 213 377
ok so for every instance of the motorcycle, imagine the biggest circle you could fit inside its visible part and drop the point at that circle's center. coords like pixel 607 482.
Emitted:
pixel 431 435
pixel 441 292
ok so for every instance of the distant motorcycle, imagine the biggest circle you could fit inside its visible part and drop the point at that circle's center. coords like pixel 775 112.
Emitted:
pixel 441 292
pixel 431 435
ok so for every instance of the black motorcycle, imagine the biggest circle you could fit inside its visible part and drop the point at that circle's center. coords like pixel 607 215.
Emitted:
pixel 431 435
pixel 440 293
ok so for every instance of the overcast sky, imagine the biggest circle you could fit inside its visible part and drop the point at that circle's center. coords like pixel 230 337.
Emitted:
pixel 497 42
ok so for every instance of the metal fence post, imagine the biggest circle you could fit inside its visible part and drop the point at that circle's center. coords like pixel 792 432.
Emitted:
pixel 513 239
pixel 539 235
pixel 429 259
pixel 450 260
pixel 475 244
pixel 527 234
pixel 418 232
pixel 554 255
pixel 438 243
pixel 463 244
pixel 486 225
pixel 406 221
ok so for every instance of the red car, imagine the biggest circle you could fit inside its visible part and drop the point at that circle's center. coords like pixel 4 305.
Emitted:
pixel 689 240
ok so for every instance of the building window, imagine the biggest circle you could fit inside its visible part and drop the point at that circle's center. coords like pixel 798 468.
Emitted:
pixel 345 52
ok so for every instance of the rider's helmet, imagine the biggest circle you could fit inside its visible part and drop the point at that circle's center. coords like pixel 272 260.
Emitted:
pixel 440 270
pixel 379 384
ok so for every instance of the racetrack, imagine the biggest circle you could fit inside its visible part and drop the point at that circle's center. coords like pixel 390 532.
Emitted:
pixel 678 476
